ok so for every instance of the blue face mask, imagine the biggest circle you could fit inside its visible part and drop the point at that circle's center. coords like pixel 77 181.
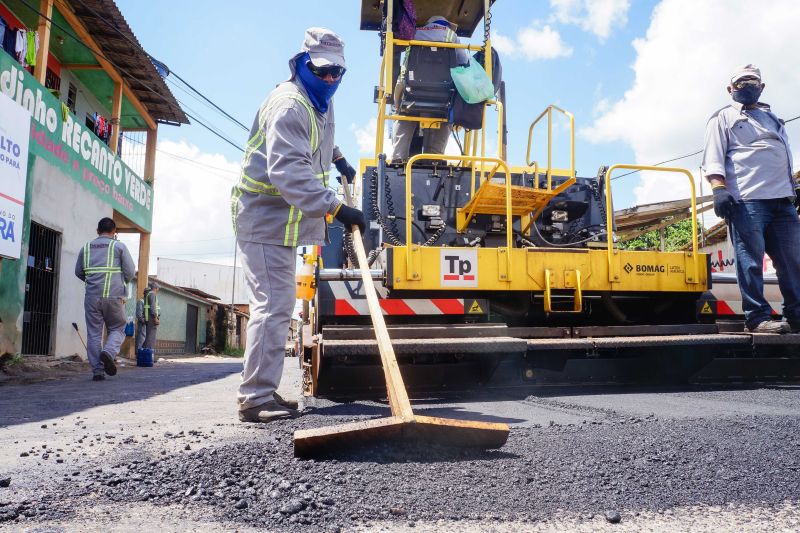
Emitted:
pixel 747 95
pixel 319 91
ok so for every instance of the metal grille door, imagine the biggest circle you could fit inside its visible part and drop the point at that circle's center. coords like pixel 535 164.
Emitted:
pixel 40 290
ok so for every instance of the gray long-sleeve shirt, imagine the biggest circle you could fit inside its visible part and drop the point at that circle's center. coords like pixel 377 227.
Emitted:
pixel 106 266
pixel 282 197
pixel 750 149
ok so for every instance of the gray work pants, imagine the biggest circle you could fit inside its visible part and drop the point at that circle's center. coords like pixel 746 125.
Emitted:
pixel 270 273
pixel 434 140
pixel 141 329
pixel 150 336
pixel 108 312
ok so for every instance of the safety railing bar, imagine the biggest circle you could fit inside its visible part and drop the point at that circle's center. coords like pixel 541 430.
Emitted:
pixel 437 44
pixel 609 210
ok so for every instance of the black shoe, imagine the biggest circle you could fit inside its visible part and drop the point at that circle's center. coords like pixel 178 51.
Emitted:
pixel 98 377
pixel 794 327
pixel 108 363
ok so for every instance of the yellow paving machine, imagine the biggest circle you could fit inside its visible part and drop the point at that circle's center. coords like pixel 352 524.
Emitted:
pixel 495 274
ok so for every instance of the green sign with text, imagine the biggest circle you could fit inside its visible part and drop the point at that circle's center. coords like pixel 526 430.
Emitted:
pixel 58 137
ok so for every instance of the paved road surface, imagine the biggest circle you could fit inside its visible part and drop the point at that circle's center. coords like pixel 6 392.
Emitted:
pixel 161 449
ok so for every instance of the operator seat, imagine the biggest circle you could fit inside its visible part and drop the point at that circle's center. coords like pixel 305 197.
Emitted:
pixel 427 88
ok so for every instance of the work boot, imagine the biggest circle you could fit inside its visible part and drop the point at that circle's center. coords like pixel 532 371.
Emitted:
pixel 280 400
pixel 267 412
pixel 108 363
pixel 770 326
pixel 98 377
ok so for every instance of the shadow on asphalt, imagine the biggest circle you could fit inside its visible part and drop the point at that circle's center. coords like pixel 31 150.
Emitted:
pixel 20 404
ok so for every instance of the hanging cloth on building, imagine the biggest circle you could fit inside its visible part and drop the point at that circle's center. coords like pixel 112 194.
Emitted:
pixel 64 111
pixel 9 39
pixel 32 48
pixel 21 46
pixel 4 29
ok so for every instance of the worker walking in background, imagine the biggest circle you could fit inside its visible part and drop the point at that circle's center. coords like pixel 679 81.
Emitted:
pixel 748 162
pixel 280 203
pixel 141 323
pixel 152 315
pixel 437 29
pixel 106 266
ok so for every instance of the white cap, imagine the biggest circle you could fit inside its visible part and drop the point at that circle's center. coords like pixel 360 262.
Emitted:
pixel 324 47
pixel 439 18
pixel 744 71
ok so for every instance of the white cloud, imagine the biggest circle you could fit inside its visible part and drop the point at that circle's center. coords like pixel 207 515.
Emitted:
pixel 366 135
pixel 596 16
pixel 533 43
pixel 682 67
pixel 191 217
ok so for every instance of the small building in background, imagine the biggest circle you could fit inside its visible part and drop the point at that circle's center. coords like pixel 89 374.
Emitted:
pixel 184 319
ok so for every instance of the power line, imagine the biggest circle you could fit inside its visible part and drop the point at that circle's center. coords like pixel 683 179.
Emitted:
pixel 188 160
pixel 144 83
pixel 682 156
pixel 169 71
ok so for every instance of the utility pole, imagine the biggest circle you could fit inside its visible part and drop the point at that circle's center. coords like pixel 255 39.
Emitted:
pixel 232 311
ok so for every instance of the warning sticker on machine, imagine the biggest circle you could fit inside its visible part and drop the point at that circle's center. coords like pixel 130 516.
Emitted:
pixel 475 308
pixel 459 268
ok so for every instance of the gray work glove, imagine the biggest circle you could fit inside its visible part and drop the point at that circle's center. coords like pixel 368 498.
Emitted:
pixel 723 202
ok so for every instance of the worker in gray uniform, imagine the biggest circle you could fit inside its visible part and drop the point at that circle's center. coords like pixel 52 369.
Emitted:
pixel 141 323
pixel 438 29
pixel 152 315
pixel 106 266
pixel 280 203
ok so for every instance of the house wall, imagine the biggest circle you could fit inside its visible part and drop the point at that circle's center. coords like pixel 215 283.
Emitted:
pixel 62 204
pixel 171 336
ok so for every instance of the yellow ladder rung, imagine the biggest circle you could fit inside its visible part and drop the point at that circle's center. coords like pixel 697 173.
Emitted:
pixel 548 296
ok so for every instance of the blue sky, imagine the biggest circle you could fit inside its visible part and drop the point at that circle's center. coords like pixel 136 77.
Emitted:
pixel 640 76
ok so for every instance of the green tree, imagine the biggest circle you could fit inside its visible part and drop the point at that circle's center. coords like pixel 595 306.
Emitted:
pixel 677 236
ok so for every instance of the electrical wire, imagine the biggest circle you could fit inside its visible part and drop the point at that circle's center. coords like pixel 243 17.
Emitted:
pixel 169 70
pixel 682 156
pixel 146 85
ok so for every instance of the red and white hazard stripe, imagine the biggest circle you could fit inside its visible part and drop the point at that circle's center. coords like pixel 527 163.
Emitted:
pixel 348 303
pixel 401 306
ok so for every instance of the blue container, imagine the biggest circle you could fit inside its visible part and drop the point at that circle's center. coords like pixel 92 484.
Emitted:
pixel 129 329
pixel 144 357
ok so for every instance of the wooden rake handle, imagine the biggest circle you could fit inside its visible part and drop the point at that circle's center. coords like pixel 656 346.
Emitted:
pixel 395 388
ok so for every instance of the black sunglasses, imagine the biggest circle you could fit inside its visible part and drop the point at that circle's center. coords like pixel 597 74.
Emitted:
pixel 335 71
pixel 740 84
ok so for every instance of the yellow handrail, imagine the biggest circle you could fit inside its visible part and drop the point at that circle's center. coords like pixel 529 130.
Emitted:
pixel 409 211
pixel 549 112
pixel 612 274
pixel 437 44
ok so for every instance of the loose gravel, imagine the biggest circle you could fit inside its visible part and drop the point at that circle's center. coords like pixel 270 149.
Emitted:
pixel 600 470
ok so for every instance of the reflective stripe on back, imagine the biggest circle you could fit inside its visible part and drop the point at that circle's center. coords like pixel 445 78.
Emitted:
pixel 248 184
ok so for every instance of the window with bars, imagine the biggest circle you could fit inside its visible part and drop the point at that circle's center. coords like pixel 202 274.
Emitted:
pixel 72 95
pixel 52 81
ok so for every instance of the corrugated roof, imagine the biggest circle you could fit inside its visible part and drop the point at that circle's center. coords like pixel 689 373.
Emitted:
pixel 135 66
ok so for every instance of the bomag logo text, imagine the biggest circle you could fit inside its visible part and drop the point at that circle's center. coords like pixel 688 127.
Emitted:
pixel 650 269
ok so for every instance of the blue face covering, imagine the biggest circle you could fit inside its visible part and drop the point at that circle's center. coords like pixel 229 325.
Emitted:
pixel 319 91
pixel 747 95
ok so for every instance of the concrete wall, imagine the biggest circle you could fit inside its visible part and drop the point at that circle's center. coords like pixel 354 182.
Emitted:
pixel 59 203
pixel 212 279
pixel 62 204
pixel 85 102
